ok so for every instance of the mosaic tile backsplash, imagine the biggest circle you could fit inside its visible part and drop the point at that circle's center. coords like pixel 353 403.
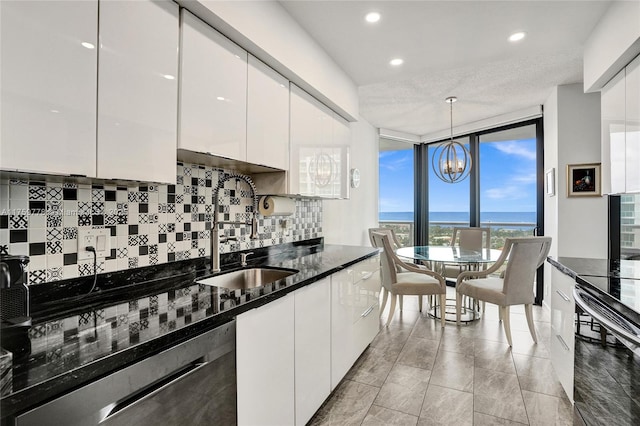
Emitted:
pixel 149 223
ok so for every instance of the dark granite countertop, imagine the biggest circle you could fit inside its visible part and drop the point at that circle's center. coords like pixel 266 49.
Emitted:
pixel 138 313
pixel 617 279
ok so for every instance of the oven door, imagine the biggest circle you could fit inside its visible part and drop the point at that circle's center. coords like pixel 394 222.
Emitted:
pixel 607 367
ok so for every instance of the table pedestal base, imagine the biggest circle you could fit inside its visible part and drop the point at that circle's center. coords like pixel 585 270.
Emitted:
pixel 468 313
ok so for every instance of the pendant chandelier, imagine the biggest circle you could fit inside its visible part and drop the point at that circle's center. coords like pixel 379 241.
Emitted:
pixel 451 161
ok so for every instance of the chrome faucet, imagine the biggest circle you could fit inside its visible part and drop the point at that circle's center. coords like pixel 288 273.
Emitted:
pixel 215 232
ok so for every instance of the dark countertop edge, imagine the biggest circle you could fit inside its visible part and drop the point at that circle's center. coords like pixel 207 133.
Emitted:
pixel 54 387
pixel 559 266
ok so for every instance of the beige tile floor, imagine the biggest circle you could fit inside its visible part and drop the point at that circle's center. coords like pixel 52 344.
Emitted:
pixel 416 373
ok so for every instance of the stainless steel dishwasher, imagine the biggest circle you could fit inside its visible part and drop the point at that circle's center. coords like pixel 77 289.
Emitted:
pixel 193 383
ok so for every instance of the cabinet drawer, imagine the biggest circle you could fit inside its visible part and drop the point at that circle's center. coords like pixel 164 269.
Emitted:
pixel 561 354
pixel 366 268
pixel 366 328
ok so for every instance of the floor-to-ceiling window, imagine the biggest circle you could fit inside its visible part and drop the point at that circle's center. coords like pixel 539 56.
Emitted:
pixel 508 177
pixel 396 193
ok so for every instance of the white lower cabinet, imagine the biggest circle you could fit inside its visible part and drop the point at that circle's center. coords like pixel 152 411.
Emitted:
pixel 355 314
pixel 292 352
pixel 265 364
pixel 562 328
pixel 312 348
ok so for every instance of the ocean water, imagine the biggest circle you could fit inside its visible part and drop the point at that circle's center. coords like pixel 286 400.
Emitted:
pixel 486 217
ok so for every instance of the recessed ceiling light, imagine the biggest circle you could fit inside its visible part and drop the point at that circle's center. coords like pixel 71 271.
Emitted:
pixel 517 36
pixel 169 77
pixel 372 17
pixel 396 62
pixel 220 98
pixel 87 45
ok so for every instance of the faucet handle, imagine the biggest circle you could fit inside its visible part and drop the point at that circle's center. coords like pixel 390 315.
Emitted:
pixel 243 258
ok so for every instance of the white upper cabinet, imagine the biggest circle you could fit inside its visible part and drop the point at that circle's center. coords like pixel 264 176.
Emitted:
pixel 213 92
pixel 613 136
pixel 137 90
pixel 48 86
pixel 319 161
pixel 632 128
pixel 267 116
pixel 620 100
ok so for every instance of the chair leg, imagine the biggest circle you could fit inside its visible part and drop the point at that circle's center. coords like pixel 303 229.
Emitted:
pixel 506 323
pixel 385 296
pixel 499 313
pixel 528 310
pixel 458 307
pixel 400 297
pixel 392 308
pixel 420 303
pixel 443 309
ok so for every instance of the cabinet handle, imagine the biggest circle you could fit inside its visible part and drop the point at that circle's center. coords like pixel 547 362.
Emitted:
pixel 366 275
pixel 562 342
pixel 564 296
pixel 367 312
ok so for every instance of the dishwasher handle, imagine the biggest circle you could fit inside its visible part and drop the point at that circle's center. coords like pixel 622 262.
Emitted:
pixel 147 392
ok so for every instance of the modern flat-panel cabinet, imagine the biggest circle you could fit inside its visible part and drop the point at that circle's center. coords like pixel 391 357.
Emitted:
pixel 562 328
pixel 613 135
pixel 355 314
pixel 213 92
pixel 48 86
pixel 620 112
pixel 319 143
pixel 267 116
pixel 292 352
pixel 312 348
pixel 137 90
pixel 265 364
pixel 632 125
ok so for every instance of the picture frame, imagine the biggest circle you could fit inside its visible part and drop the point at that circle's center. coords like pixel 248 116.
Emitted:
pixel 550 182
pixel 583 180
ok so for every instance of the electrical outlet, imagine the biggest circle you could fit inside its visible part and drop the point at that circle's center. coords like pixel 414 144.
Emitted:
pixel 96 238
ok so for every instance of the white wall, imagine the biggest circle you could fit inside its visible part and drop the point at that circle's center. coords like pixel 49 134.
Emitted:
pixel 268 32
pixel 612 44
pixel 347 221
pixel 578 226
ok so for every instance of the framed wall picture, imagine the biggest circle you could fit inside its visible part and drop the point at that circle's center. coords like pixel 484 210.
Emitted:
pixel 583 180
pixel 550 182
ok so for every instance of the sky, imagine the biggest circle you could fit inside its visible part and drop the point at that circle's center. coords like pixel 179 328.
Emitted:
pixel 507 180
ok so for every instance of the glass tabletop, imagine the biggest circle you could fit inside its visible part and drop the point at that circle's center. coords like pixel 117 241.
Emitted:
pixel 449 254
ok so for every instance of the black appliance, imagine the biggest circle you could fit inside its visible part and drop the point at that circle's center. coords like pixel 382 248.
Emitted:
pixel 607 346
pixel 14 305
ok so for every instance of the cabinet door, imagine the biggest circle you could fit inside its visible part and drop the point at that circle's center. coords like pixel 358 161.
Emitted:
pixel 343 354
pixel 306 137
pixel 562 328
pixel 632 128
pixel 48 86
pixel 137 90
pixel 336 150
pixel 267 116
pixel 613 135
pixel 312 348
pixel 265 364
pixel 213 92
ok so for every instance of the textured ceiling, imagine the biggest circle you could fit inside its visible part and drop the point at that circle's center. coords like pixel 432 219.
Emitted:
pixel 451 48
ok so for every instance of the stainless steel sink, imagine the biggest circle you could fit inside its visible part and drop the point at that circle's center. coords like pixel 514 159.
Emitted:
pixel 248 278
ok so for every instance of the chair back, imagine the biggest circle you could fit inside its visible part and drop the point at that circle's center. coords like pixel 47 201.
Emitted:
pixel 387 231
pixel 471 238
pixel 526 255
pixel 387 261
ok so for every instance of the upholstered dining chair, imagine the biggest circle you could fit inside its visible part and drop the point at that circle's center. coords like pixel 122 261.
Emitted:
pixel 402 279
pixel 525 255
pixel 468 238
pixel 389 231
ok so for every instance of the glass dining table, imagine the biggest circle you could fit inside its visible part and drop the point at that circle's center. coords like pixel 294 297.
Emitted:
pixel 441 256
